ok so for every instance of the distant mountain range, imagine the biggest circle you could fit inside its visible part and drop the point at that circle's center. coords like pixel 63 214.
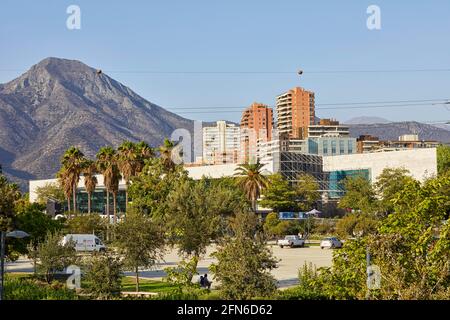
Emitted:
pixel 59 103
pixel 392 130
pixel 366 120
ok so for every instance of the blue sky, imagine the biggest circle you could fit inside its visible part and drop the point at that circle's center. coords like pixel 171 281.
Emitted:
pixel 249 35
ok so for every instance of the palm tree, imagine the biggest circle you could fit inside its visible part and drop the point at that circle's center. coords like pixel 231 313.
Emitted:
pixel 72 162
pixel 65 184
pixel 107 164
pixel 90 180
pixel 144 152
pixel 165 152
pixel 127 161
pixel 251 180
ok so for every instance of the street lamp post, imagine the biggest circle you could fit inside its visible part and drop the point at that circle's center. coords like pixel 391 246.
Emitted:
pixel 18 234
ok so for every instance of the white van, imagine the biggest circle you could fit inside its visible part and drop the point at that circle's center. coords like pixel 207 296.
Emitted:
pixel 85 242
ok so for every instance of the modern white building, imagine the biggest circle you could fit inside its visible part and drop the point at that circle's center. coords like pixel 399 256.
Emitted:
pixel 328 128
pixel 221 143
pixel 421 163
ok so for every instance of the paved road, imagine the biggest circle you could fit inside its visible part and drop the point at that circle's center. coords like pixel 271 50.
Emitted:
pixel 286 273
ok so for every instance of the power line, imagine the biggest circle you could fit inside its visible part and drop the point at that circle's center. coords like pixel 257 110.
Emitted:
pixel 400 103
pixel 263 72
pixel 240 110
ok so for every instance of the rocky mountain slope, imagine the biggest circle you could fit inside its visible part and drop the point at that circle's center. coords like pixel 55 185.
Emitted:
pixel 392 130
pixel 59 103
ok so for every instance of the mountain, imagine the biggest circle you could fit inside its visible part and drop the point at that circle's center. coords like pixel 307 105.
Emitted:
pixel 391 131
pixel 442 126
pixel 59 103
pixel 366 120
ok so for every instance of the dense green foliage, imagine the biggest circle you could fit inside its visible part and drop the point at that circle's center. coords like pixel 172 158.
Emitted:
pixel 411 247
pixel 32 289
pixel 244 262
pixel 139 241
pixel 53 256
pixel 104 276
pixel 279 195
pixel 50 191
pixel 88 224
pixel 443 159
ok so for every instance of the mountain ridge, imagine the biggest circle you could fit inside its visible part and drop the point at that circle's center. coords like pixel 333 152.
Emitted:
pixel 58 103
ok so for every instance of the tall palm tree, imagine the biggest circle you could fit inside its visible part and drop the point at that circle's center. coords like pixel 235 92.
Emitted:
pixel 72 162
pixel 107 164
pixel 65 184
pixel 251 179
pixel 127 161
pixel 90 180
pixel 115 179
pixel 165 152
pixel 144 152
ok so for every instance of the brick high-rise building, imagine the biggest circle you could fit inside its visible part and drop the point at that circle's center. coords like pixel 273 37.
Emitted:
pixel 256 126
pixel 295 112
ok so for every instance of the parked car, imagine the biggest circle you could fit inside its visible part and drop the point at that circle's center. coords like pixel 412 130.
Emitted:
pixel 291 241
pixel 330 243
pixel 85 242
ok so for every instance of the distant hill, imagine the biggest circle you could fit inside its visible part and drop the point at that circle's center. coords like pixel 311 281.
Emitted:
pixel 366 120
pixel 391 131
pixel 59 103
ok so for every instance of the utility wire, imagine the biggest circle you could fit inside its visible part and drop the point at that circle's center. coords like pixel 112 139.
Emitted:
pixel 240 110
pixel 262 72
pixel 400 103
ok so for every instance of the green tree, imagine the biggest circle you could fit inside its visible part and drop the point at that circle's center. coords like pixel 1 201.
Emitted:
pixel 411 248
pixel 66 184
pixel 32 219
pixel 144 153
pixel 104 276
pixel 443 159
pixel 359 195
pixel 128 162
pixel 278 195
pixel 244 262
pixel 90 180
pixel 356 224
pixel 88 224
pixel 197 212
pixel 252 181
pixel 307 191
pixel 140 242
pixel 107 164
pixel 150 188
pixel 10 194
pixel 72 164
pixel 271 223
pixel 50 191
pixel 54 256
pixel 166 151
pixel 388 184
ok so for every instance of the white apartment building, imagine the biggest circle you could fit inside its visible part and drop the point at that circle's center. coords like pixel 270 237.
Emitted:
pixel 221 143
pixel 329 130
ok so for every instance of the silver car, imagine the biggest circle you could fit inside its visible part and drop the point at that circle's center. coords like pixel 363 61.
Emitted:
pixel 330 243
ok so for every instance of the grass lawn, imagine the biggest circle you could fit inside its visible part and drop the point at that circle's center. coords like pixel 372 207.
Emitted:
pixel 146 285
pixel 17 275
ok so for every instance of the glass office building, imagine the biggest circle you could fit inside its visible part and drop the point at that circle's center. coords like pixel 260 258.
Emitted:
pixel 336 179
pixel 98 202
pixel 331 146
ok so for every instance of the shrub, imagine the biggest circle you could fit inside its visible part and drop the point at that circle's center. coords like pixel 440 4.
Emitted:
pixel 32 289
pixel 104 276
